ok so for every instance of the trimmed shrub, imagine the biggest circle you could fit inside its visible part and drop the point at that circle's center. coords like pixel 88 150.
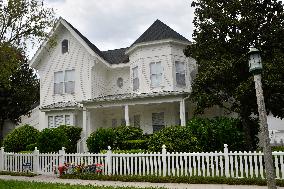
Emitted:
pixel 176 139
pixel 101 139
pixel 73 134
pixel 126 133
pixel 213 133
pixel 20 138
pixel 52 140
pixel 31 147
pixel 134 144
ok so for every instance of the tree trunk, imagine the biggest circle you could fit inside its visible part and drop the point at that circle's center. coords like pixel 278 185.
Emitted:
pixel 1 131
pixel 247 131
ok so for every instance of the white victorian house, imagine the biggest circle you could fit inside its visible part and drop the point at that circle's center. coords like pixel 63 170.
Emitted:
pixel 144 85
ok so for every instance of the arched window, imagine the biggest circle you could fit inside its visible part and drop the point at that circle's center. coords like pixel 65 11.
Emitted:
pixel 64 46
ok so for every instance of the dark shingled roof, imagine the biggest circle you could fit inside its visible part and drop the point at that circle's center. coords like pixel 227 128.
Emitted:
pixel 158 31
pixel 91 45
pixel 116 56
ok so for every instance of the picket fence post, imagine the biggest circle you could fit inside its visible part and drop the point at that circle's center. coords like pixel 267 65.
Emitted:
pixel 61 156
pixel 36 161
pixel 2 153
pixel 164 160
pixel 109 161
pixel 226 155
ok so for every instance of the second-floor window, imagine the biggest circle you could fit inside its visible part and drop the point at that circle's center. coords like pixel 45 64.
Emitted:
pixel 180 73
pixel 135 78
pixel 64 82
pixel 156 73
pixel 64 46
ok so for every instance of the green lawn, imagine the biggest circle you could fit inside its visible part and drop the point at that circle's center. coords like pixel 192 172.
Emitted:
pixel 35 185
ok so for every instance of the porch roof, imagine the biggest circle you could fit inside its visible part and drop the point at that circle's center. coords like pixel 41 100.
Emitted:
pixel 58 105
pixel 132 96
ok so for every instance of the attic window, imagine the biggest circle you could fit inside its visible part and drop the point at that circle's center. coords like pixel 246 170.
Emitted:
pixel 64 46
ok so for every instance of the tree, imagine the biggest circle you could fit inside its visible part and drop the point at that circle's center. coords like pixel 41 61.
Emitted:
pixel 21 93
pixel 22 23
pixel 224 31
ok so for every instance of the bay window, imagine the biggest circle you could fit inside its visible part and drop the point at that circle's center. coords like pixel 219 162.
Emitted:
pixel 156 74
pixel 180 73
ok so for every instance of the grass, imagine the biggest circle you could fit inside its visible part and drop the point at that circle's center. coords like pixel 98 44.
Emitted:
pixel 36 185
pixel 173 179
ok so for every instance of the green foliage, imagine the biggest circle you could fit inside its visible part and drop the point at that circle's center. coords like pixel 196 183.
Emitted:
pixel 132 151
pixel 20 138
pixel 51 140
pixel 176 139
pixel 73 136
pixel 13 184
pixel 277 148
pixel 114 137
pixel 134 144
pixel 224 31
pixel 31 147
pixel 126 133
pixel 101 139
pixel 29 174
pixel 212 134
pixel 173 179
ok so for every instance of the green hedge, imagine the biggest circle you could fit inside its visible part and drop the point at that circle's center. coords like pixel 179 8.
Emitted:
pixel 20 138
pixel 17 174
pixel 176 139
pixel 134 144
pixel 173 179
pixel 212 134
pixel 114 137
pixel 52 140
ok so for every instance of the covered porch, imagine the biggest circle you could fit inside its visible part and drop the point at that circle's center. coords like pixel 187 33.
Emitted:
pixel 150 112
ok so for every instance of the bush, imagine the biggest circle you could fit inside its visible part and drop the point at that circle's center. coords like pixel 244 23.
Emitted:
pixel 213 133
pixel 277 148
pixel 126 133
pixel 31 147
pixel 133 151
pixel 20 138
pixel 51 140
pixel 134 144
pixel 101 139
pixel 73 136
pixel 176 139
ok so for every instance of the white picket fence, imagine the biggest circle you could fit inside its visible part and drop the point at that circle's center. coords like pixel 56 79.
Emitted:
pixel 228 164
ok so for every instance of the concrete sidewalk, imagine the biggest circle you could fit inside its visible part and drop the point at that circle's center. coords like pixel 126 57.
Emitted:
pixel 52 179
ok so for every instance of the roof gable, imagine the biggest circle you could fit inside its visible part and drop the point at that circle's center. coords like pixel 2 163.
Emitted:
pixel 159 31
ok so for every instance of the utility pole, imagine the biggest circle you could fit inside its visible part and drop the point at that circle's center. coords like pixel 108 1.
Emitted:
pixel 256 67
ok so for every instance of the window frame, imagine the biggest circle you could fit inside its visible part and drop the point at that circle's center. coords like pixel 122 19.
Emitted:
pixel 63 51
pixel 64 120
pixel 64 82
pixel 180 73
pixel 156 74
pixel 135 87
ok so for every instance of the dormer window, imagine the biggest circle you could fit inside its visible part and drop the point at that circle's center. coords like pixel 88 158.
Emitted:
pixel 64 46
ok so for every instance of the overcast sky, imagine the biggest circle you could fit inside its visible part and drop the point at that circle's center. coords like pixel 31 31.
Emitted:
pixel 111 24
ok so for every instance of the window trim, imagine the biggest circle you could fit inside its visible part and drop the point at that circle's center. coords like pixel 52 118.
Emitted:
pixel 64 82
pixel 161 74
pixel 64 40
pixel 184 73
pixel 64 120
pixel 133 79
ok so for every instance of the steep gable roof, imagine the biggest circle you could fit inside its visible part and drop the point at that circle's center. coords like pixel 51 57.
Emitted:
pixel 158 31
pixel 91 45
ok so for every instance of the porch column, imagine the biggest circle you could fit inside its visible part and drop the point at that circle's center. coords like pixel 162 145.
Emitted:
pixel 126 115
pixel 85 127
pixel 182 113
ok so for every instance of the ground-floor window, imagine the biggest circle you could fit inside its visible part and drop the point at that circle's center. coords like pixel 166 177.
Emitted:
pixel 158 121
pixel 57 120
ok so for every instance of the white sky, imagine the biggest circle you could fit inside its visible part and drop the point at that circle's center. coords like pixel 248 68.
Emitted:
pixel 111 24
